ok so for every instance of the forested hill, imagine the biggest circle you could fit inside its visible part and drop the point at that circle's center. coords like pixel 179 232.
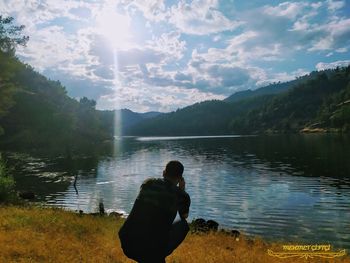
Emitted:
pixel 320 100
pixel 35 111
pixel 321 103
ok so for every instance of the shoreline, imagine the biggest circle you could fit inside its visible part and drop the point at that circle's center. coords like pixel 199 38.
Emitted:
pixel 31 233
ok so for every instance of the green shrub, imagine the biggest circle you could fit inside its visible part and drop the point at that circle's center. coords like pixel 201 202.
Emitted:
pixel 7 183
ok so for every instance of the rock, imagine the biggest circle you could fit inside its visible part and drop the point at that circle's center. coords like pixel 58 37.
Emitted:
pixel 95 214
pixel 235 233
pixel 199 222
pixel 212 225
pixel 200 225
pixel 115 214
pixel 27 195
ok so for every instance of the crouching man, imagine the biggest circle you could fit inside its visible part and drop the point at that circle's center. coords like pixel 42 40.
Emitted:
pixel 150 234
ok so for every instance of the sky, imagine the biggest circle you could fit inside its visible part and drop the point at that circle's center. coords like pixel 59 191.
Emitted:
pixel 162 55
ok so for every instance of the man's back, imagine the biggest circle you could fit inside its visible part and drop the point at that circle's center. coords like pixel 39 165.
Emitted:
pixel 146 231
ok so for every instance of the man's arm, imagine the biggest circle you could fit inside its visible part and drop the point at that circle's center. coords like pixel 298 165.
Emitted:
pixel 184 200
pixel 182 183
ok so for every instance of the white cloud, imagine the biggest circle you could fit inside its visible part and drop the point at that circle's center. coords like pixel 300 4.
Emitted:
pixel 169 44
pixel 334 35
pixel 287 9
pixel 146 98
pixel 286 76
pixel 324 65
pixel 200 18
pixel 153 10
pixel 32 12
pixel 49 47
pixel 335 5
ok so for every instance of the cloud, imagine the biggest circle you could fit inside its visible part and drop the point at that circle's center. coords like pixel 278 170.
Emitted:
pixel 200 18
pixel 287 28
pixel 32 13
pixel 169 44
pixel 81 12
pixel 335 5
pixel 289 10
pixel 183 77
pixel 49 47
pixel 171 54
pixel 216 71
pixel 230 76
pixel 153 10
pixel 100 49
pixel 78 87
pixel 104 72
pixel 335 35
pixel 146 98
pixel 138 56
pixel 340 63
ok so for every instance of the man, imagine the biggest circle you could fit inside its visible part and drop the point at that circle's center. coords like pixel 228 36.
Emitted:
pixel 149 234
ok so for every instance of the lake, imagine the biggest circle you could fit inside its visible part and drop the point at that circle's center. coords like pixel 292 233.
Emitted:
pixel 294 188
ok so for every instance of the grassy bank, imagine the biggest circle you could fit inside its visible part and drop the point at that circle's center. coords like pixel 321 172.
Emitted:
pixel 33 234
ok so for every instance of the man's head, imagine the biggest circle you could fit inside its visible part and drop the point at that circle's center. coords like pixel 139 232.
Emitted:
pixel 173 170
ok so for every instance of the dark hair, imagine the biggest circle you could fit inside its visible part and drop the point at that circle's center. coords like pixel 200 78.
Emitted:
pixel 174 169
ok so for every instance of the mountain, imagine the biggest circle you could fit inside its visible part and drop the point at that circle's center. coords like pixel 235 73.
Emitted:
pixel 130 118
pixel 274 88
pixel 319 99
pixel 203 118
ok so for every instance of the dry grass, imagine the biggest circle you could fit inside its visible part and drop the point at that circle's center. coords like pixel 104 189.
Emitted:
pixel 32 234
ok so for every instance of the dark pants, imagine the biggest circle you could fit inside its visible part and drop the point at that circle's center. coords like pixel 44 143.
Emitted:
pixel 178 232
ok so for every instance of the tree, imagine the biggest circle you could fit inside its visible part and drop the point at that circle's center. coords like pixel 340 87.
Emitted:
pixel 11 35
pixel 88 103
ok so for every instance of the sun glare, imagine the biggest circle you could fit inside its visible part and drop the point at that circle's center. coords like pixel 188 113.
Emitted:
pixel 115 28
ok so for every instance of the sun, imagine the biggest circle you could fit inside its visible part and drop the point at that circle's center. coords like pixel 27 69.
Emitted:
pixel 115 28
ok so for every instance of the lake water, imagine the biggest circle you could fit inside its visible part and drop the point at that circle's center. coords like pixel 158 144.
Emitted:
pixel 293 188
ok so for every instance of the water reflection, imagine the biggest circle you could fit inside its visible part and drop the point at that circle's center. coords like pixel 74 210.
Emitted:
pixel 294 188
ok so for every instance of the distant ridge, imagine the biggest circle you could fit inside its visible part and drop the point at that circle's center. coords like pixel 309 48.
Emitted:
pixel 130 118
pixel 274 88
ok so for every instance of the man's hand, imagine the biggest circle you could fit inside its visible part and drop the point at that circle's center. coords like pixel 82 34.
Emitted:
pixel 182 183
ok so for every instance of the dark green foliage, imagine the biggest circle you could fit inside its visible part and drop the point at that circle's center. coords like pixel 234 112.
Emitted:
pixel 42 114
pixel 85 102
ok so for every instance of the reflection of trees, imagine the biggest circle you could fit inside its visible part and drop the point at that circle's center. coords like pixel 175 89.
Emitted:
pixel 307 155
